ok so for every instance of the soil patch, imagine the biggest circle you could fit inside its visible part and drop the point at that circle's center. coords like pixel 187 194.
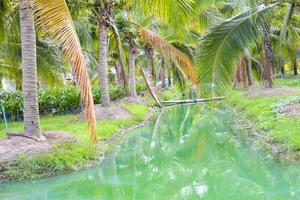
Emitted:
pixel 114 111
pixel 278 91
pixel 291 110
pixel 14 146
pixel 137 100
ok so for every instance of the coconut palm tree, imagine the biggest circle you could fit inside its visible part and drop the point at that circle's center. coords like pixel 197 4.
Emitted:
pixel 132 60
pixel 268 58
pixel 222 46
pixel 104 12
pixel 54 20
pixel 289 36
pixel 31 108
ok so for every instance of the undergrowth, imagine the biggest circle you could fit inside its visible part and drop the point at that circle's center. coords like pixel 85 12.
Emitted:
pixel 62 159
pixel 263 112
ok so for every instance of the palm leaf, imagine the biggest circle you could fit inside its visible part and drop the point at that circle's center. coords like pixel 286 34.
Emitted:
pixel 222 46
pixel 54 18
pixel 180 60
pixel 122 58
pixel 167 10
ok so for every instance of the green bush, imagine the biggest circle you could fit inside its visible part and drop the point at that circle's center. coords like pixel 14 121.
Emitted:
pixel 54 100
pixel 141 86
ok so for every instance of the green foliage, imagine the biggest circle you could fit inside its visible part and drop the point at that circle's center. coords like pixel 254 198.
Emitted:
pixel 56 100
pixel 13 103
pixel 263 112
pixel 279 105
pixel 139 111
pixel 141 86
pixel 171 94
pixel 61 159
pixel 292 82
pixel 62 99
pixel 225 43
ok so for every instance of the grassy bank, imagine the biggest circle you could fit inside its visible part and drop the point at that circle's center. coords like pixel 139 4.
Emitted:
pixel 263 111
pixel 69 123
pixel 67 157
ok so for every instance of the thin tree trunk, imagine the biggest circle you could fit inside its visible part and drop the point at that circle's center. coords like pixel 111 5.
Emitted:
pixel 169 79
pixel 295 67
pixel 28 38
pixel 249 68
pixel 117 77
pixel 157 75
pixel 149 56
pixel 163 74
pixel 268 63
pixel 281 65
pixel 249 71
pixel 132 54
pixel 103 71
pixel 241 74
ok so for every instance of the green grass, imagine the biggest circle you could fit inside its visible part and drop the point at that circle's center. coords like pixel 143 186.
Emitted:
pixel 62 159
pixel 291 82
pixel 65 156
pixel 79 128
pixel 172 93
pixel 266 118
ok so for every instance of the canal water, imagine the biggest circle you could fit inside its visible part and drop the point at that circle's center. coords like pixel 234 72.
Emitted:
pixel 189 152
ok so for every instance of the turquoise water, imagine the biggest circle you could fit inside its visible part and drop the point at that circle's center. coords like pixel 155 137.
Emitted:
pixel 190 152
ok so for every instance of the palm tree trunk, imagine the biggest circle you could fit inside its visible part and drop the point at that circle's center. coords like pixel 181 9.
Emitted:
pixel 149 57
pixel 163 74
pixel 249 68
pixel 281 65
pixel 117 76
pixel 241 74
pixel 102 68
pixel 132 86
pixel 269 63
pixel 28 38
pixel 295 67
pixel 169 79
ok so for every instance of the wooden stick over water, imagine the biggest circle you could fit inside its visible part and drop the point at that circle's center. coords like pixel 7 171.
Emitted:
pixel 187 101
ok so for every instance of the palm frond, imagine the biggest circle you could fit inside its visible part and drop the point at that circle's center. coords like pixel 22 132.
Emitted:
pixel 166 10
pixel 121 53
pixel 54 18
pixel 222 46
pixel 179 59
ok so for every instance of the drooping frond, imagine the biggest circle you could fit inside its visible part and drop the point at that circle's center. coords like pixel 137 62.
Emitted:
pixel 179 59
pixel 221 47
pixel 122 58
pixel 54 18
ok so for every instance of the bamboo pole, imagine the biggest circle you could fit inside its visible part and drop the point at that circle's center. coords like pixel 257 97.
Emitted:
pixel 188 101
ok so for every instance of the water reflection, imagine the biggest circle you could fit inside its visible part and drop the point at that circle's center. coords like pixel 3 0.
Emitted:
pixel 188 153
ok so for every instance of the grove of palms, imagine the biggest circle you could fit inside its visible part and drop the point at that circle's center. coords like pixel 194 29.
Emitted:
pixel 151 53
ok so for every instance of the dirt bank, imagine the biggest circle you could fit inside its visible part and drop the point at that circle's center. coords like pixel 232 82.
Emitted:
pixel 277 91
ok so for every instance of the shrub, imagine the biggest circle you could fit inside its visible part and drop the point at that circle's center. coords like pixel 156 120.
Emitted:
pixel 53 100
